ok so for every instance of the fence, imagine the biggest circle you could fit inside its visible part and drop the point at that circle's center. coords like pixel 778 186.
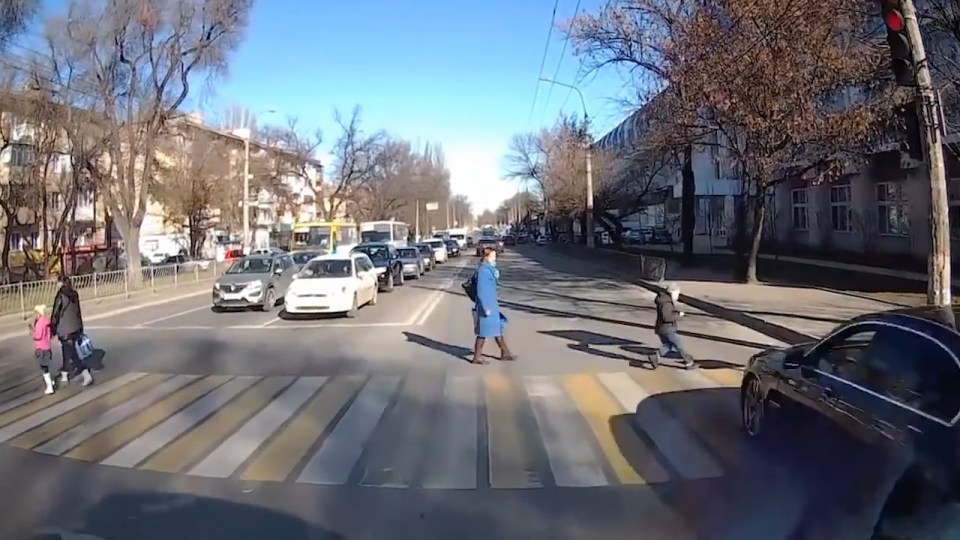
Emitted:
pixel 20 298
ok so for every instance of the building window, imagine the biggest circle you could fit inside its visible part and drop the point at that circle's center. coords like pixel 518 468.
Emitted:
pixel 54 201
pixel 21 155
pixel 892 216
pixel 798 203
pixel 84 198
pixel 840 208
pixel 16 241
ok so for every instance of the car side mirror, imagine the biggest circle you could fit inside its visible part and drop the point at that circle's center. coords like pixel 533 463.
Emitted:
pixel 278 270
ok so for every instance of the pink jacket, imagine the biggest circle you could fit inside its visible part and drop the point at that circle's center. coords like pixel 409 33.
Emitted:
pixel 41 333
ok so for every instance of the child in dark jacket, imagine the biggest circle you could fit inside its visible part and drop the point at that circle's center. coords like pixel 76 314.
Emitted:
pixel 666 327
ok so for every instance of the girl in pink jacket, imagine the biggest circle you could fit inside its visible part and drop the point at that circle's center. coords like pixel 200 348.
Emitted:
pixel 40 328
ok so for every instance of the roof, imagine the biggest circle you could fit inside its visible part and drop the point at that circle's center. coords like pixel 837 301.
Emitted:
pixel 938 321
pixel 337 256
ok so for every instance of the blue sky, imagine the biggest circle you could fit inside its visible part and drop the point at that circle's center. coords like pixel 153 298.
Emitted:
pixel 462 74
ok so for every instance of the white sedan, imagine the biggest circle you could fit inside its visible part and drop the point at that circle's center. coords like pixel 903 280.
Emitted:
pixel 337 283
pixel 439 248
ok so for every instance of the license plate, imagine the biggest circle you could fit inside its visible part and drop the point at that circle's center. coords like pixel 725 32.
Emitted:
pixel 231 297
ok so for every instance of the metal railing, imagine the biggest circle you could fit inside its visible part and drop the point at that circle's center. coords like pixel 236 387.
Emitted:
pixel 20 298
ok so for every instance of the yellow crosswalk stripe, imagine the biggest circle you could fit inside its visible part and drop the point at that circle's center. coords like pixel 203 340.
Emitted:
pixel 106 442
pixel 724 376
pixel 202 438
pixel 626 453
pixel 280 457
pixel 37 405
pixel 51 429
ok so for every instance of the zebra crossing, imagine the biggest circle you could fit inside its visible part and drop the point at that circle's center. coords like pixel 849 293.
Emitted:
pixel 426 430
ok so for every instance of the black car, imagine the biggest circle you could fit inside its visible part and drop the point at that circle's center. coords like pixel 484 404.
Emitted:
pixel 453 248
pixel 888 381
pixel 301 258
pixel 488 243
pixel 387 262
pixel 429 257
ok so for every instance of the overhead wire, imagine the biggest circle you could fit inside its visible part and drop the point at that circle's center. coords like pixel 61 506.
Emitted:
pixel 543 61
pixel 556 71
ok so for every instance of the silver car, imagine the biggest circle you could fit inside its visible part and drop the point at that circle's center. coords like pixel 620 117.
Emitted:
pixel 259 281
pixel 413 266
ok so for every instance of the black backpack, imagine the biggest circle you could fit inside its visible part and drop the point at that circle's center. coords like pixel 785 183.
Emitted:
pixel 470 287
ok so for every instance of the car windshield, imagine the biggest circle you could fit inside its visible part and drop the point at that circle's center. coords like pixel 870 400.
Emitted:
pixel 252 266
pixel 375 252
pixel 327 268
pixel 304 257
pixel 425 249
pixel 408 253
pixel 435 243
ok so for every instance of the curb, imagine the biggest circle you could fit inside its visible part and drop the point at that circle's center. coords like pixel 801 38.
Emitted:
pixel 120 311
pixel 775 331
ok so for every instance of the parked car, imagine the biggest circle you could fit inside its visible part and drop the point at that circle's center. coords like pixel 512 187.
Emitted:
pixel 412 261
pixel 255 281
pixel 887 382
pixel 185 263
pixel 488 243
pixel 386 261
pixel 336 283
pixel 453 248
pixel 301 258
pixel 439 249
pixel 429 257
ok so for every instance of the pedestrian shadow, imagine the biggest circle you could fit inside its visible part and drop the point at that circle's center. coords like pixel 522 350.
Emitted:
pixel 177 515
pixel 456 351
pixel 96 359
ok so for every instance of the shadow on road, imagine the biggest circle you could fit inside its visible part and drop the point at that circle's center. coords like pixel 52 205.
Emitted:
pixel 456 351
pixel 161 516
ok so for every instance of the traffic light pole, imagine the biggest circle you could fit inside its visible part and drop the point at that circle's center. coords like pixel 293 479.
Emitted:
pixel 928 103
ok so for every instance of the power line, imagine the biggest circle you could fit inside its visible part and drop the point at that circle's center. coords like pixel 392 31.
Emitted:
pixel 543 61
pixel 556 72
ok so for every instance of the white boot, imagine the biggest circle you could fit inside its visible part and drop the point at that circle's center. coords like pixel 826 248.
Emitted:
pixel 48 384
pixel 64 377
pixel 87 377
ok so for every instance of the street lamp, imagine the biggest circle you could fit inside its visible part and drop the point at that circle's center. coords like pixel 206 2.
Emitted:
pixel 589 149
pixel 247 133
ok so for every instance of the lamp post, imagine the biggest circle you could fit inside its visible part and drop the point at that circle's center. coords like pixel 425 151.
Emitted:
pixel 247 133
pixel 589 158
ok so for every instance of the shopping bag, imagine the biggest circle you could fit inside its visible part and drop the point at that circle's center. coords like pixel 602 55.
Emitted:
pixel 84 346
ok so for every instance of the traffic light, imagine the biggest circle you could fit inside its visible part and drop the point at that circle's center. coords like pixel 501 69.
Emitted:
pixel 901 50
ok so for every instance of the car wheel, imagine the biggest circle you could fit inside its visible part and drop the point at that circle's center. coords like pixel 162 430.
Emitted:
pixel 353 310
pixel 753 406
pixel 400 273
pixel 373 299
pixel 269 301
pixel 389 287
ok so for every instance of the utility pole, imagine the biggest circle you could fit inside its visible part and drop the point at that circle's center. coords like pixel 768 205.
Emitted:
pixel 246 192
pixel 911 68
pixel 416 226
pixel 589 152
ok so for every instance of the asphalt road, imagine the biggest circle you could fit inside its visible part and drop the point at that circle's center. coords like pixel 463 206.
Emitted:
pixel 248 425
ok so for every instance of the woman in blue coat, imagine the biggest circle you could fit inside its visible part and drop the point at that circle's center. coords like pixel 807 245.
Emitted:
pixel 488 322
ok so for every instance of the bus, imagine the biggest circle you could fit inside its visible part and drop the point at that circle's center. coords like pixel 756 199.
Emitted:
pixel 392 232
pixel 325 236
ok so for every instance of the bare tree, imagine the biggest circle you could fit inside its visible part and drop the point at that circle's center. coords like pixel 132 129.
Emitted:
pixel 487 217
pixel 288 168
pixel 462 210
pixel 14 17
pixel 137 60
pixel 193 170
pixel 355 157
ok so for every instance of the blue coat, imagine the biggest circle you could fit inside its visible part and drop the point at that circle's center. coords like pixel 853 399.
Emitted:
pixel 488 321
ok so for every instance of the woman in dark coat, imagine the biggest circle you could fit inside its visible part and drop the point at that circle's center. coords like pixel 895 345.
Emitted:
pixel 488 321
pixel 66 322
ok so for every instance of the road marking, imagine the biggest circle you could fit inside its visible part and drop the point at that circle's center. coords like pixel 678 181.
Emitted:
pixel 271 321
pixel 282 455
pixel 572 458
pixel 173 316
pixel 16 378
pixel 79 415
pixel 334 461
pixel 397 451
pixel 684 393
pixel 237 449
pixel 421 315
pixel 167 431
pixel 687 456
pixel 629 457
pixel 23 394
pixel 252 327
pixel 200 438
pixel 512 462
pixel 68 440
pixel 49 413
pixel 453 456
pixel 724 376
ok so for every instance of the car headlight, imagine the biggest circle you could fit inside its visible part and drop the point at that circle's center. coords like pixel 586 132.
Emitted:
pixel 216 285
pixel 255 285
pixel 381 270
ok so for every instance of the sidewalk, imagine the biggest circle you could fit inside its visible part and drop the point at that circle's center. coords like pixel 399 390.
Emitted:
pixel 787 313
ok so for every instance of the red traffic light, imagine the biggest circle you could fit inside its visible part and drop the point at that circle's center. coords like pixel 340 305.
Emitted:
pixel 894 21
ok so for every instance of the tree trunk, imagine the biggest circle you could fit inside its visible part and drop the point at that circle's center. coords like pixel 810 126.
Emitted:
pixel 5 255
pixel 688 204
pixel 759 211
